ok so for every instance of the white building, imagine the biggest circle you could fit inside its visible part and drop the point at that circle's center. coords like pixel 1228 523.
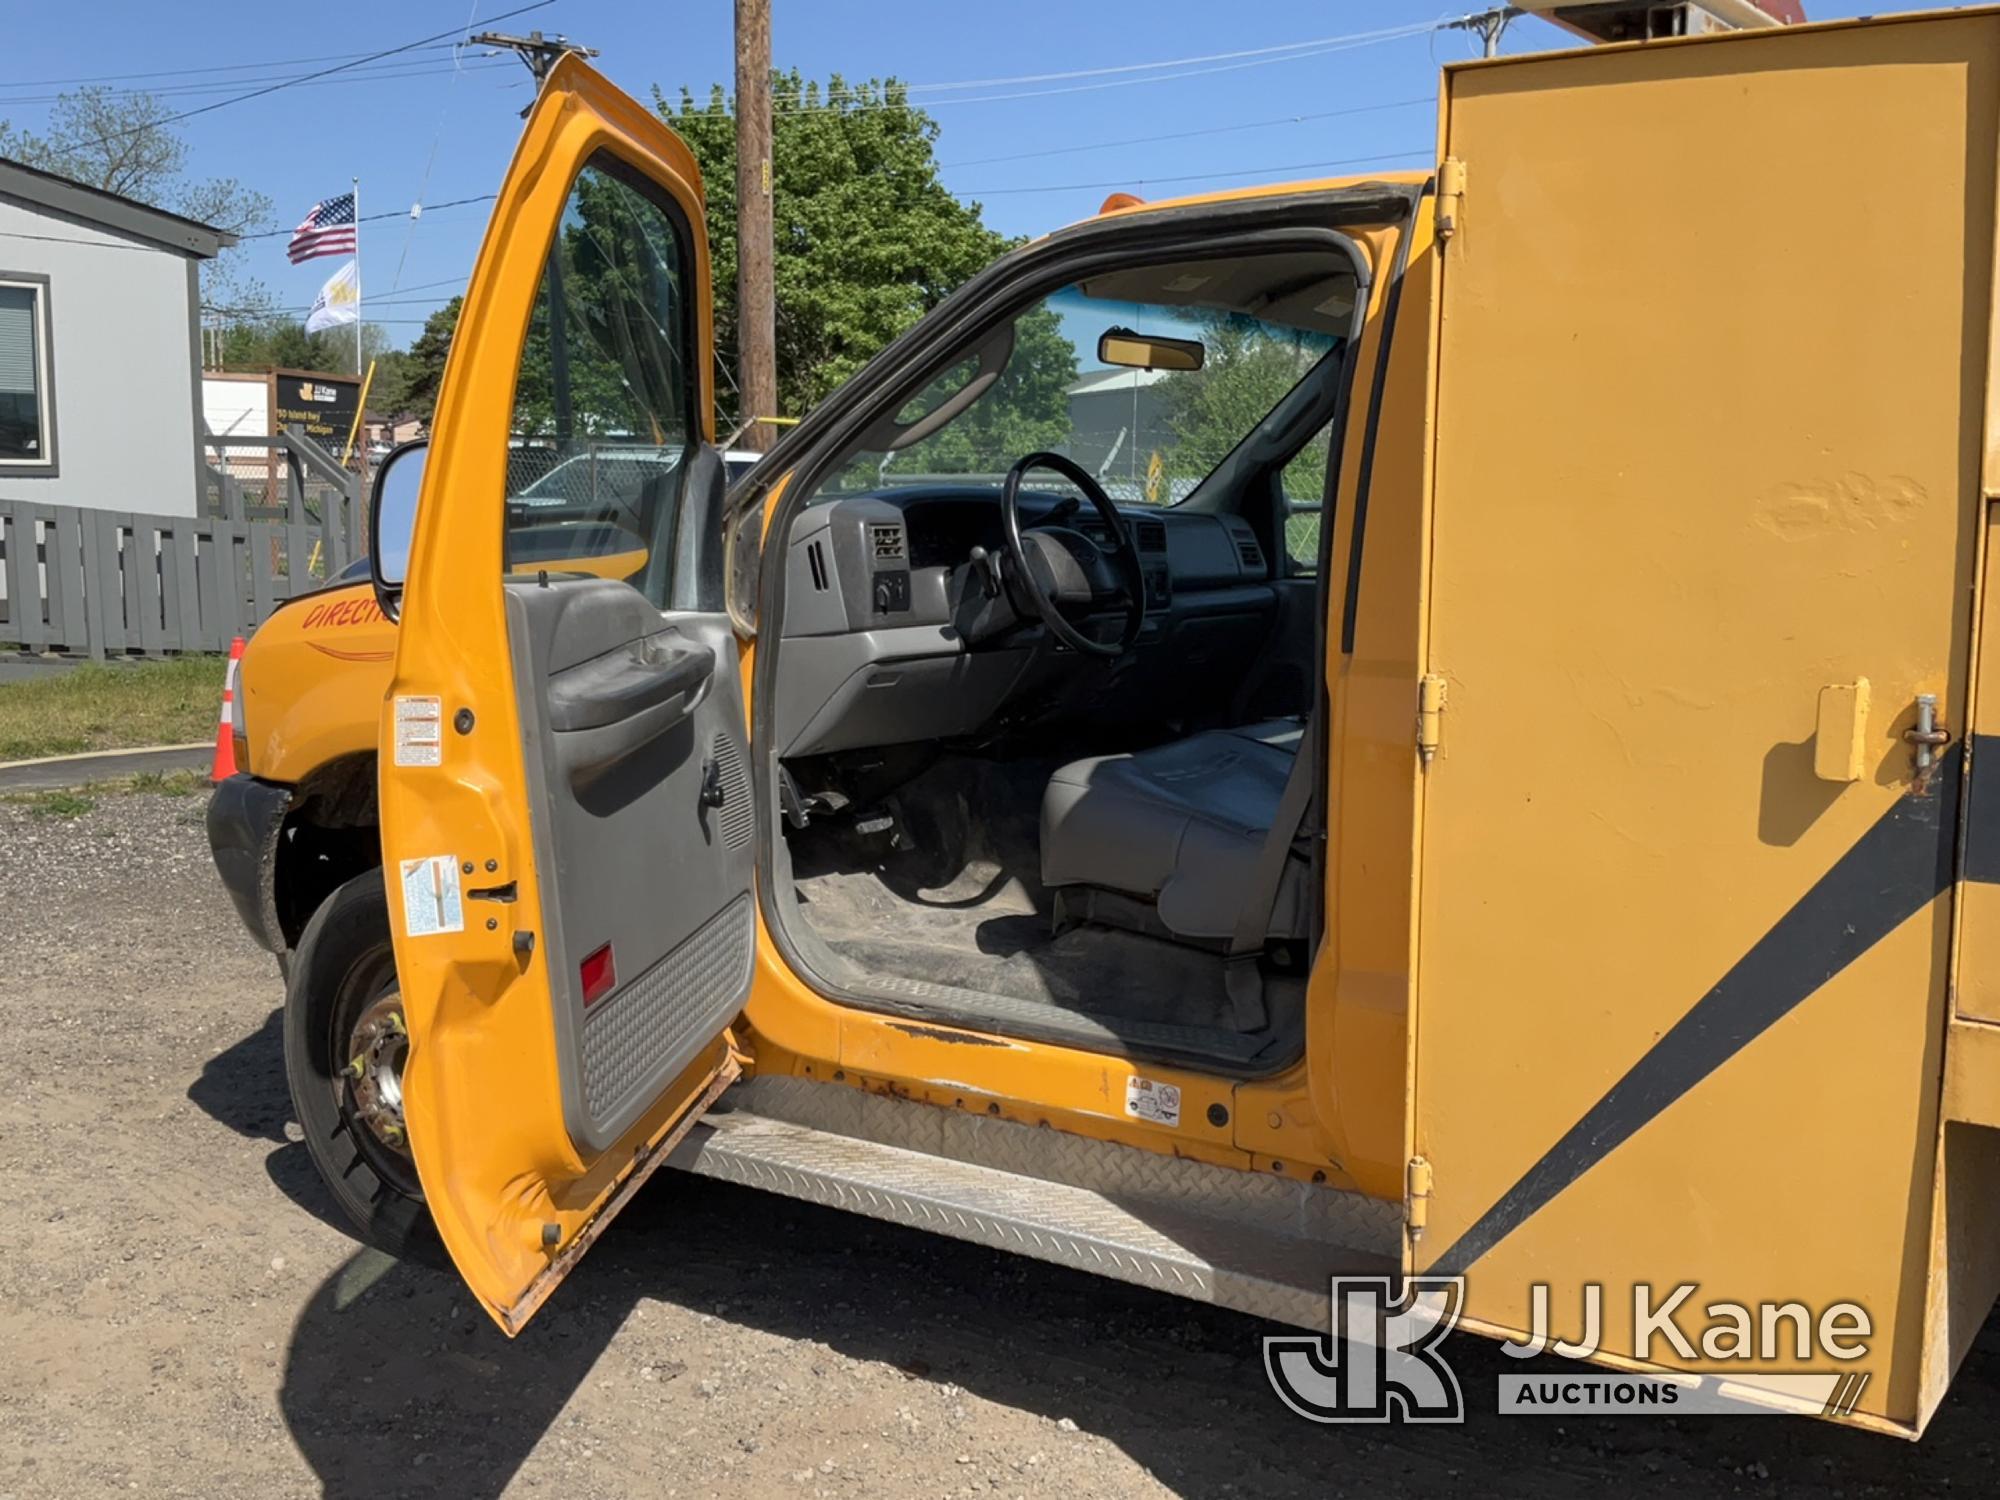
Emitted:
pixel 100 347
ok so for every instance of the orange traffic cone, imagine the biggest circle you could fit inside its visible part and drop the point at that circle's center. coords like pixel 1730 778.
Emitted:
pixel 225 730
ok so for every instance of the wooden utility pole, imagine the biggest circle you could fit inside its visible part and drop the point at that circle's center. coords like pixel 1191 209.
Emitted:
pixel 1488 23
pixel 756 320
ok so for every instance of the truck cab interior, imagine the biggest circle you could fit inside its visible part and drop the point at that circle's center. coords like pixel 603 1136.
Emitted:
pixel 1046 659
pixel 1039 643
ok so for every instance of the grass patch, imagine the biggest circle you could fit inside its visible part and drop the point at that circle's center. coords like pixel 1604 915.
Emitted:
pixel 105 707
pixel 59 804
pixel 75 801
pixel 167 783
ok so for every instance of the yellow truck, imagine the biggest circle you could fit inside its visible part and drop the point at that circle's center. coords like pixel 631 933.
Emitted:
pixel 1448 751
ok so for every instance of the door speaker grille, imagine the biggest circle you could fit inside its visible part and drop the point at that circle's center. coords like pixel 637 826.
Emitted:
pixel 735 818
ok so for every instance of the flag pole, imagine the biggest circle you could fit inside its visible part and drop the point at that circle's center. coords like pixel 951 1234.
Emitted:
pixel 357 274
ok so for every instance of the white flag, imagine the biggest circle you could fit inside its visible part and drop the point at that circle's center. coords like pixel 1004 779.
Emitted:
pixel 338 302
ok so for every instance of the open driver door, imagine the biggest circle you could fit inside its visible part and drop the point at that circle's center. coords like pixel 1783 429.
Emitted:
pixel 566 816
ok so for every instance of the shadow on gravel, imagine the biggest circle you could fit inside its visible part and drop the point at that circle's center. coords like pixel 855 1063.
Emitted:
pixel 396 1385
pixel 243 1086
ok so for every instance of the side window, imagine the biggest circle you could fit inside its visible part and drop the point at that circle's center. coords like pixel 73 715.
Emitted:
pixel 27 422
pixel 1303 482
pixel 604 422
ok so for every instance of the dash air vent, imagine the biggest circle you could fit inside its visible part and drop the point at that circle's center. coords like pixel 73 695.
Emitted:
pixel 1152 536
pixel 1247 551
pixel 886 542
pixel 816 562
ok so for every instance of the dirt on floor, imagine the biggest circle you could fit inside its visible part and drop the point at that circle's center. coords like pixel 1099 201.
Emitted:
pixel 181 1316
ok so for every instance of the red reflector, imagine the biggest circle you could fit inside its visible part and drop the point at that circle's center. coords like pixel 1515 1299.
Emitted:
pixel 599 975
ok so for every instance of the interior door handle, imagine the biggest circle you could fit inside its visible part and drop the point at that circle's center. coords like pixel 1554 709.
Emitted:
pixel 625 682
pixel 606 708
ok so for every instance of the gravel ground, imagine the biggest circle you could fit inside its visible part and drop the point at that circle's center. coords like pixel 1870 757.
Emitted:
pixel 181 1315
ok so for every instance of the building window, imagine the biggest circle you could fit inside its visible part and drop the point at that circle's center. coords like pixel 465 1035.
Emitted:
pixel 27 397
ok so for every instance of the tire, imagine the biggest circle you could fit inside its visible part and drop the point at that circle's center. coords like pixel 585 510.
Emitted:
pixel 343 964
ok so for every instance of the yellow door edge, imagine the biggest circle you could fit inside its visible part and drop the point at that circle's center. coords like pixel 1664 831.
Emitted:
pixel 649 1159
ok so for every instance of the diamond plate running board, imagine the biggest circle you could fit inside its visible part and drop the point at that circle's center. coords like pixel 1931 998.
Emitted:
pixel 1206 1233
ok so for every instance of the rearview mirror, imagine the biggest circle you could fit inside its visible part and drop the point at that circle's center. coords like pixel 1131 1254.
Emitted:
pixel 392 520
pixel 1141 351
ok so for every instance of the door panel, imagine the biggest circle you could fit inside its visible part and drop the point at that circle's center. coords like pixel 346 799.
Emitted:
pixel 652 843
pixel 1680 993
pixel 572 828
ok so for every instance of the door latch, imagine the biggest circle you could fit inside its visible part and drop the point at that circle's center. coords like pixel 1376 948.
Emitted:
pixel 1928 738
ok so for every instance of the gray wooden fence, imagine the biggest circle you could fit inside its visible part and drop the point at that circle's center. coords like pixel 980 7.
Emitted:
pixel 282 518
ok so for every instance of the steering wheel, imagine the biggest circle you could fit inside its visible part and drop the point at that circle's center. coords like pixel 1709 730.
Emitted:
pixel 1056 566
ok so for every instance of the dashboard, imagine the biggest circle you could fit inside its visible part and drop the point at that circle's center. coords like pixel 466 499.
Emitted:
pixel 885 641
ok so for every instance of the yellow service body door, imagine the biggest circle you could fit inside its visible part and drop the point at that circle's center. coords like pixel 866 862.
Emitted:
pixel 1711 370
pixel 566 823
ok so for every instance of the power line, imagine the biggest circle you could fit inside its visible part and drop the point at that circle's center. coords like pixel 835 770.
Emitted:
pixel 430 158
pixel 66 239
pixel 189 114
pixel 1134 182
pixel 1320 48
pixel 254 314
pixel 425 286
pixel 184 84
pixel 393 213
pixel 1172 62
pixel 1182 135
pixel 248 67
pixel 389 72
pixel 276 310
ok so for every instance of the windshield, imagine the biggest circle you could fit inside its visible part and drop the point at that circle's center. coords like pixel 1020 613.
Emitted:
pixel 1149 436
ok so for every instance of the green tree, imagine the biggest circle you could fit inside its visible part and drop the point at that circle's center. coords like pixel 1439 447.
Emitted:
pixel 1026 410
pixel 623 292
pixel 867 238
pixel 123 143
pixel 1246 371
pixel 284 344
pixel 388 395
pixel 425 369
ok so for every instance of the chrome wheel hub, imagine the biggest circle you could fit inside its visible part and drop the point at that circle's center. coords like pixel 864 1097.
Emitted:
pixel 376 1050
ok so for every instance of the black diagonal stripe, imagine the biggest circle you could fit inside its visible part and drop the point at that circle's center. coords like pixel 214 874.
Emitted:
pixel 1891 873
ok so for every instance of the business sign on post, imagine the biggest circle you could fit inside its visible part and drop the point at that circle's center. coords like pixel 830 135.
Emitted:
pixel 322 405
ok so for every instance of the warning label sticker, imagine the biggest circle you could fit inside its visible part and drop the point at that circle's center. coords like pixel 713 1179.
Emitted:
pixel 419 731
pixel 1146 1099
pixel 430 896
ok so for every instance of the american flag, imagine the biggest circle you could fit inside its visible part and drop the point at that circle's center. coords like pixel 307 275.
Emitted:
pixel 327 230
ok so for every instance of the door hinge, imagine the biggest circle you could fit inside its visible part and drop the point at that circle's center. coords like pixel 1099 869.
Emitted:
pixel 1450 195
pixel 1417 1202
pixel 1430 715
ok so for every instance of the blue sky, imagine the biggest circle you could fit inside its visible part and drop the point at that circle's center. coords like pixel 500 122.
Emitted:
pixel 419 128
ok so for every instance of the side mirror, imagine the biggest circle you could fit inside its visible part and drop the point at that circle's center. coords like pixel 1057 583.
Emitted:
pixel 392 520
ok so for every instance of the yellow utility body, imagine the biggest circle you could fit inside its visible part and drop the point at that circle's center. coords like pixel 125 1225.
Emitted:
pixel 1641 928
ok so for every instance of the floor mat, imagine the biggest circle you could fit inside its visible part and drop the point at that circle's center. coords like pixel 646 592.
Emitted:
pixel 953 897
pixel 984 932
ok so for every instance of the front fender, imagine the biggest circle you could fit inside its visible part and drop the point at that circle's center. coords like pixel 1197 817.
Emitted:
pixel 245 819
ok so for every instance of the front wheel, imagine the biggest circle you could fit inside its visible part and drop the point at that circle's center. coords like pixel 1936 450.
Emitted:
pixel 345 1044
